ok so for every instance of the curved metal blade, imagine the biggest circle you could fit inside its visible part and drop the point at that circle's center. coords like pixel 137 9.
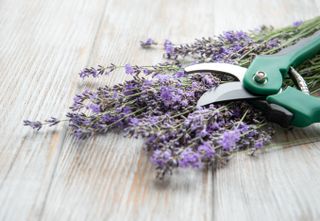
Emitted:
pixel 226 92
pixel 234 70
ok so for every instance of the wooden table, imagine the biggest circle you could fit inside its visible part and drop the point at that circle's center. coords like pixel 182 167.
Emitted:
pixel 51 176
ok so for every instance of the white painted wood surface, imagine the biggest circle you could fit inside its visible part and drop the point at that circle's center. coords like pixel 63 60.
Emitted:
pixel 51 176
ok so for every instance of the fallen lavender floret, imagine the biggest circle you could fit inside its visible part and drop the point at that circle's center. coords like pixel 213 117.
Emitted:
pixel 148 43
pixel 158 103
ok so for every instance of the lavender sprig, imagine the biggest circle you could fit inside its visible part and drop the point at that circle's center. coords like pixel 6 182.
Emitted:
pixel 37 125
pixel 95 72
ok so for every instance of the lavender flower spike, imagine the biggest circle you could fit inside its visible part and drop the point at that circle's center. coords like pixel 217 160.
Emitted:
pixel 229 139
pixel 36 125
pixel 52 121
pixel 297 23
pixel 168 46
pixel 189 158
pixel 129 69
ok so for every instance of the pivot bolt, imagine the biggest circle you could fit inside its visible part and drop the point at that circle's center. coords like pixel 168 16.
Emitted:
pixel 260 77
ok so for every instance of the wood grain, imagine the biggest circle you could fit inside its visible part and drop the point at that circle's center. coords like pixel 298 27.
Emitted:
pixel 51 176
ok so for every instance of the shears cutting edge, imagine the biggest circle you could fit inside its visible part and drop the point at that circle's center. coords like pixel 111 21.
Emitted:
pixel 261 84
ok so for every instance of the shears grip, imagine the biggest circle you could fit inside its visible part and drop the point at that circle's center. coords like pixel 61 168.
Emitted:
pixel 306 108
pixel 276 66
pixel 273 112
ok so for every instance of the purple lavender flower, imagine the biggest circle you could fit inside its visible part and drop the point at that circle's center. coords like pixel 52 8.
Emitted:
pixel 180 74
pixel 258 144
pixel 203 133
pixel 252 133
pixel 273 43
pixel 152 120
pixel 95 72
pixel 36 125
pixel 146 71
pixel 126 110
pixel 129 69
pixel 160 158
pixel 184 103
pixel 243 127
pixel 229 139
pixel 170 96
pixel 213 127
pixel 297 23
pixel 163 77
pixel 52 121
pixel 236 112
pixel 81 134
pixel 78 101
pixel 189 158
pixel 206 150
pixel 95 108
pixel 208 81
pixel 166 94
pixel 233 36
pixel 134 121
pixel 147 43
pixel 168 46
pixel 108 118
pixel 129 88
pixel 88 72
pixel 115 94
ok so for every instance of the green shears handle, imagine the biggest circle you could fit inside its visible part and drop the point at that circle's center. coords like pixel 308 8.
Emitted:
pixel 305 108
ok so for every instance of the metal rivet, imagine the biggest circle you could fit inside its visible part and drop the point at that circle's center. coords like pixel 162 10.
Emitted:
pixel 260 77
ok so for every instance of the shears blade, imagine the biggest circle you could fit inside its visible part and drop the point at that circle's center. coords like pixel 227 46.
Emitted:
pixel 230 69
pixel 226 92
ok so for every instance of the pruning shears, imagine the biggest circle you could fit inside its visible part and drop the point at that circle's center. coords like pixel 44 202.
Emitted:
pixel 262 84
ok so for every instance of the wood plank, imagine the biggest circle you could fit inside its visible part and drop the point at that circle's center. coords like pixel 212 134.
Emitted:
pixel 43 44
pixel 279 184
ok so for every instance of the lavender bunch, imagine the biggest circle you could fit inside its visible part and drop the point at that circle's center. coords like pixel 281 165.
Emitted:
pixel 158 102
